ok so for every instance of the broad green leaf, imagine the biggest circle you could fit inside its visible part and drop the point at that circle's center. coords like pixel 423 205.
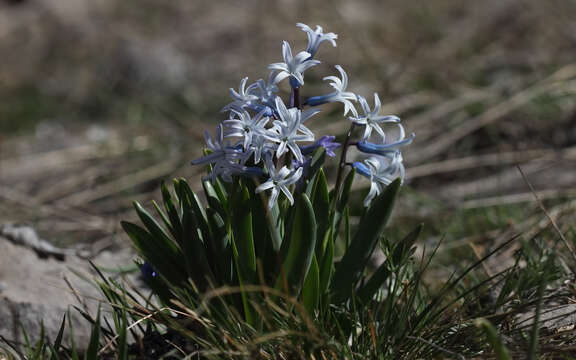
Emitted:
pixel 174 227
pixel 220 247
pixel 163 258
pixel 183 190
pixel 221 192
pixel 213 198
pixel 321 204
pixel 326 263
pixel 341 202
pixel 345 190
pixel 311 288
pixel 300 247
pixel 194 251
pixel 241 221
pixel 366 293
pixel 403 249
pixel 350 268
pixel 154 228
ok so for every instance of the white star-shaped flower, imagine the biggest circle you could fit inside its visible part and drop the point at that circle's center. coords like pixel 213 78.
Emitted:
pixel 289 130
pixel 279 181
pixel 371 120
pixel 315 38
pixel 292 67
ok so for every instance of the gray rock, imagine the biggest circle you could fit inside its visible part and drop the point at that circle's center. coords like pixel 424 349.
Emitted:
pixel 34 291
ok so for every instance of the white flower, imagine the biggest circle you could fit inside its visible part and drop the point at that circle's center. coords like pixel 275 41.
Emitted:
pixel 289 129
pixel 340 94
pixel 243 97
pixel 246 126
pixel 381 170
pixel 371 119
pixel 315 38
pixel 226 160
pixel 292 67
pixel 279 181
pixel 266 90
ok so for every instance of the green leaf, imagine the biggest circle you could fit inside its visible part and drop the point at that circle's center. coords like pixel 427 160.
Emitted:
pixel 122 347
pixel 311 288
pixel 403 248
pixel 183 190
pixel 241 221
pixel 366 293
pixel 371 227
pixel 300 247
pixel 154 228
pixel 326 263
pixel 321 205
pixel 344 195
pixel 163 258
pixel 174 225
pixel 58 342
pixel 342 202
pixel 213 198
pixel 194 251
pixel 94 344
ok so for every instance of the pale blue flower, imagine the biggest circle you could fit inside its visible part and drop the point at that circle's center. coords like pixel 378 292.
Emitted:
pixel 339 95
pixel 246 126
pixel 292 67
pixel 371 120
pixel 315 38
pixel 266 91
pixel 279 181
pixel 243 97
pixel 226 160
pixel 381 170
pixel 289 130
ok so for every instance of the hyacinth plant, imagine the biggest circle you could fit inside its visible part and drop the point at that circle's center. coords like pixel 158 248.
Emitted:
pixel 271 219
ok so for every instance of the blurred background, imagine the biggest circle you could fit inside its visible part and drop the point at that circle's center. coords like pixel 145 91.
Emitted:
pixel 101 100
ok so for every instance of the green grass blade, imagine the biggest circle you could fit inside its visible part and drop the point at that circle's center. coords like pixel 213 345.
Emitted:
pixel 58 342
pixel 94 343
pixel 494 339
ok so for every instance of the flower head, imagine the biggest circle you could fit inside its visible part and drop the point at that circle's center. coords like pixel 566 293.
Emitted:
pixel 381 170
pixel 279 180
pixel 315 38
pixel 339 95
pixel 371 120
pixel 246 126
pixel 292 67
pixel 226 160
pixel 243 97
pixel 289 130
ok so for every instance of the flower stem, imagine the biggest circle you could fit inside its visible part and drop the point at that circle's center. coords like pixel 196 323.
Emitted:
pixel 296 98
pixel 341 166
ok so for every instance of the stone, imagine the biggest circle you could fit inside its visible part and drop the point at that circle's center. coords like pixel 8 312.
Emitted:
pixel 33 291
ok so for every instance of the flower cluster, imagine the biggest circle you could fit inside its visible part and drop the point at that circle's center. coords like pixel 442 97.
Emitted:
pixel 265 138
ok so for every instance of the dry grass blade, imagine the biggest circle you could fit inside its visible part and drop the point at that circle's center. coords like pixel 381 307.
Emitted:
pixel 553 83
pixel 550 218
